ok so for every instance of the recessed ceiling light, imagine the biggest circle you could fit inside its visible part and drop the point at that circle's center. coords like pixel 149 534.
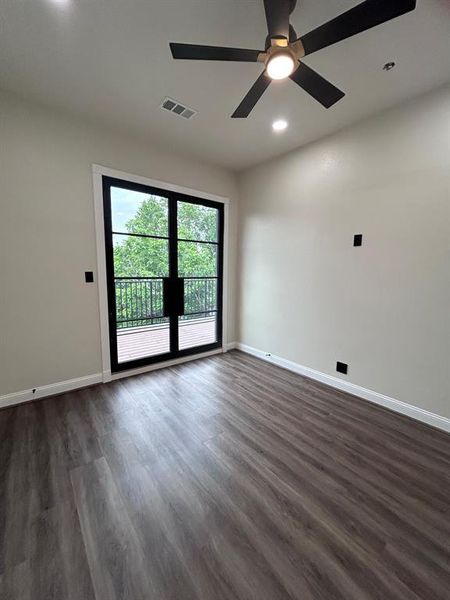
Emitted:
pixel 279 125
pixel 388 66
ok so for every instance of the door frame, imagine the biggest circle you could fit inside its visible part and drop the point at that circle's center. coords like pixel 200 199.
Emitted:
pixel 98 172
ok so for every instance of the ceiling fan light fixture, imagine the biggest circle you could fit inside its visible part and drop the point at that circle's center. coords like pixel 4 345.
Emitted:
pixel 280 65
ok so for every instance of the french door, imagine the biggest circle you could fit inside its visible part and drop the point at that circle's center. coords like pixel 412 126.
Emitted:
pixel 164 261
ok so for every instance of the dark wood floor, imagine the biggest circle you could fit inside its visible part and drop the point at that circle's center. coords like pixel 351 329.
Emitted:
pixel 226 478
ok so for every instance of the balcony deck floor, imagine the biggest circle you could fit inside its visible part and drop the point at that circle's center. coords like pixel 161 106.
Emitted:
pixel 140 342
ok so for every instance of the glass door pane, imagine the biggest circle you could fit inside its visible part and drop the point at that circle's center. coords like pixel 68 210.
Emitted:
pixel 198 264
pixel 140 248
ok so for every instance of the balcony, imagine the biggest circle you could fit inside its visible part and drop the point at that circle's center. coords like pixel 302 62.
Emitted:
pixel 142 329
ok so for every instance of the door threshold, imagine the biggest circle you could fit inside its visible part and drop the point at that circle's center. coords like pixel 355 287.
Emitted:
pixel 160 365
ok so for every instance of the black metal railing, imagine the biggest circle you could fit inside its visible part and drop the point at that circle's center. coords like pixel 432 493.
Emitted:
pixel 200 297
pixel 139 301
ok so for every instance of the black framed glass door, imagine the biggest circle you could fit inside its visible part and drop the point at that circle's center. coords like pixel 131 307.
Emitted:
pixel 164 259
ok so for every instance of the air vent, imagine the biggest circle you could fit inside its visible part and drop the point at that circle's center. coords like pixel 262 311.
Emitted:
pixel 177 108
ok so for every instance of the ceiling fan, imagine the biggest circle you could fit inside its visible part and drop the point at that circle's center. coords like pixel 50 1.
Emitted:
pixel 284 51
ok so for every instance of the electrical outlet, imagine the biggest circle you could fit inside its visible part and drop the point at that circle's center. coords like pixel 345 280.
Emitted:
pixel 357 239
pixel 341 367
pixel 89 276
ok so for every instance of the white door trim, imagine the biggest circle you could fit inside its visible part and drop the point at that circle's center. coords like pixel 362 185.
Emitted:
pixel 164 185
pixel 98 172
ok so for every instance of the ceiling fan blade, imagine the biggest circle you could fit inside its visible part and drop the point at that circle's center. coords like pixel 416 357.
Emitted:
pixel 319 88
pixel 277 17
pixel 199 52
pixel 356 20
pixel 254 94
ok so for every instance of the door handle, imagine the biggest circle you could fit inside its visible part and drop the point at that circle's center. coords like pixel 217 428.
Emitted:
pixel 179 295
pixel 166 297
pixel 173 296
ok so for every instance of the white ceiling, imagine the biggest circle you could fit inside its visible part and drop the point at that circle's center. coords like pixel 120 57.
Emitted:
pixel 109 60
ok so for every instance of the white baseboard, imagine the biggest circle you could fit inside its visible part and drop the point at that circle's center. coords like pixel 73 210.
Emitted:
pixel 49 390
pixel 396 405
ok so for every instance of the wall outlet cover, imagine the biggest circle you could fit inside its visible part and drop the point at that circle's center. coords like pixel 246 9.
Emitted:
pixel 341 367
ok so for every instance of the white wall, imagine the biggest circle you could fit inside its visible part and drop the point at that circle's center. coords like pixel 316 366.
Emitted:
pixel 308 296
pixel 49 319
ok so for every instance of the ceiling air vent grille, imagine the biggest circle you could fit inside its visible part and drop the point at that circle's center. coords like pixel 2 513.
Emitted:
pixel 177 108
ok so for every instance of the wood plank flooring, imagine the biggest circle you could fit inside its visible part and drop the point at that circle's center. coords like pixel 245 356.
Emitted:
pixel 226 478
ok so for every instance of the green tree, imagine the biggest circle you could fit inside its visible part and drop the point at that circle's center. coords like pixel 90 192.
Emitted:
pixel 140 256
pixel 148 257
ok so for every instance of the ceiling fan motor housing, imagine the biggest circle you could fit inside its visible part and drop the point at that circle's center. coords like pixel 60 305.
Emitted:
pixel 281 46
pixel 292 37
